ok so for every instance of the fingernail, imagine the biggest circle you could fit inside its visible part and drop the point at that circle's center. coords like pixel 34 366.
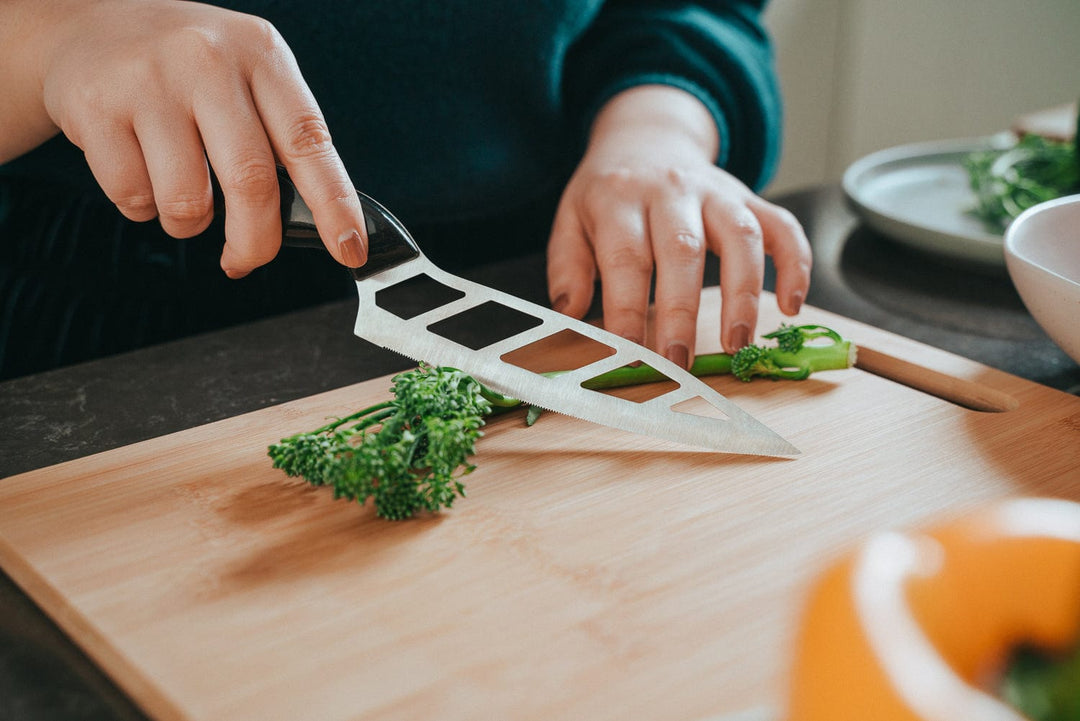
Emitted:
pixel 560 303
pixel 352 249
pixel 740 336
pixel 236 274
pixel 796 301
pixel 678 354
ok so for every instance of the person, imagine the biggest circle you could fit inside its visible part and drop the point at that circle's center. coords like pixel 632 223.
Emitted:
pixel 634 134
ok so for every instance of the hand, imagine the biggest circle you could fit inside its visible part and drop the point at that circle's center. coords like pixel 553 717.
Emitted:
pixel 157 92
pixel 647 198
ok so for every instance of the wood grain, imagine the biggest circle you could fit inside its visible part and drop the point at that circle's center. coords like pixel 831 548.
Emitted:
pixel 588 574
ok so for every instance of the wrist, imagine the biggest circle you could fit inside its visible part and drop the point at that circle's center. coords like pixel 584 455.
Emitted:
pixel 29 31
pixel 656 116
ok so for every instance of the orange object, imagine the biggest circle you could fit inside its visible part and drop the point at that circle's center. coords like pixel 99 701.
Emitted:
pixel 914 626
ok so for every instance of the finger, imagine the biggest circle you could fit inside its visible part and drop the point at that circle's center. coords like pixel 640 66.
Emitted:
pixel 785 240
pixel 243 162
pixel 678 239
pixel 176 163
pixel 735 235
pixel 301 140
pixel 116 161
pixel 625 262
pixel 571 269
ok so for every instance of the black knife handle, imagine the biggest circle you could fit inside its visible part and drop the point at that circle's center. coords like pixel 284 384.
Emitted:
pixel 389 243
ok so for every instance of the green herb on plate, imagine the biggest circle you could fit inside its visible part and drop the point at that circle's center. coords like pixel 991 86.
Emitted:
pixel 1008 182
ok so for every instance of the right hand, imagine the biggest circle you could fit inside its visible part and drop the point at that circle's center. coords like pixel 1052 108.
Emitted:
pixel 153 90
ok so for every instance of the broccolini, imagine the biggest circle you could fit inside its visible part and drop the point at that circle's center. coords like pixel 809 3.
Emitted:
pixel 410 453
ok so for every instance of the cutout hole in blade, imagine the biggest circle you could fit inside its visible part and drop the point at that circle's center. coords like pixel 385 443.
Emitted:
pixel 698 406
pixel 416 296
pixel 564 350
pixel 648 383
pixel 484 324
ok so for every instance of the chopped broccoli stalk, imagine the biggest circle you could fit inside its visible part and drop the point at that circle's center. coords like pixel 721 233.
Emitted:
pixel 795 356
pixel 708 364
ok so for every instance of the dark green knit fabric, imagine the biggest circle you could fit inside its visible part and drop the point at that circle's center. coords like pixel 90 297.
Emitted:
pixel 465 118
pixel 445 109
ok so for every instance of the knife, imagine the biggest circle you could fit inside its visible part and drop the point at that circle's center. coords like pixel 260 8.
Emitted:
pixel 395 266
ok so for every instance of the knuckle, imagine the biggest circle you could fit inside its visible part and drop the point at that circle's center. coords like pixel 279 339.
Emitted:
pixel 308 137
pixel 252 181
pixel 87 100
pixel 620 181
pixel 260 33
pixel 212 46
pixel 801 268
pixel 681 310
pixel 685 245
pixel 746 229
pixel 632 259
pixel 679 180
pixel 618 175
pixel 595 195
pixel 627 315
pixel 339 193
pixel 137 205
pixel 185 210
pixel 200 45
pixel 745 296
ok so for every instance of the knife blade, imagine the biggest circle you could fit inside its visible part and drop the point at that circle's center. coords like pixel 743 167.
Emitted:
pixel 395 263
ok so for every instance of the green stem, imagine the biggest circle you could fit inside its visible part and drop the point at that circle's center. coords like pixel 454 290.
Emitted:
pixel 374 419
pixel 498 400
pixel 704 365
pixel 812 358
pixel 709 364
pixel 796 364
pixel 385 405
pixel 808 359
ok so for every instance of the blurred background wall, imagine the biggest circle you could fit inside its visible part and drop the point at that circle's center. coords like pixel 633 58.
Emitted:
pixel 862 75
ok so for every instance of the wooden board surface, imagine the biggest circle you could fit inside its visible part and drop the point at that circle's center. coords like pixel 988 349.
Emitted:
pixel 589 574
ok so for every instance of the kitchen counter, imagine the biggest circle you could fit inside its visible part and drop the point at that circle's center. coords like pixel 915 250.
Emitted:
pixel 76 411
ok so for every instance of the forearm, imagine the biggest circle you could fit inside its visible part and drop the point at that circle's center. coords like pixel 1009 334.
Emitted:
pixel 28 28
pixel 657 116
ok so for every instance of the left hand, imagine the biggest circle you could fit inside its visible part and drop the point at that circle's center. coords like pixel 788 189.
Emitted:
pixel 647 198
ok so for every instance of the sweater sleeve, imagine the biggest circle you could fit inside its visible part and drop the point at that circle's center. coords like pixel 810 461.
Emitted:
pixel 718 51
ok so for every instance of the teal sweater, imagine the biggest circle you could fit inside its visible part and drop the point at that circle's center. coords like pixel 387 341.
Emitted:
pixel 466 124
pixel 444 113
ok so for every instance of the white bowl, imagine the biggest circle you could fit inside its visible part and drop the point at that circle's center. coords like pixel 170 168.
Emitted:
pixel 1042 254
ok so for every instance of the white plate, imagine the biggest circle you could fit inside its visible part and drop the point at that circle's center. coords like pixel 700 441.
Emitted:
pixel 919 195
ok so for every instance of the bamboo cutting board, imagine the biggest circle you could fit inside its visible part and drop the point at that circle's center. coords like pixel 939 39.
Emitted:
pixel 589 574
